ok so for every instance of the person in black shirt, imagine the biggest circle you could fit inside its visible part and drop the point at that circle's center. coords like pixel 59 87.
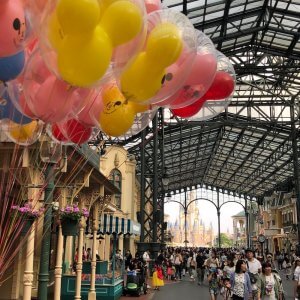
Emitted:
pixel 200 259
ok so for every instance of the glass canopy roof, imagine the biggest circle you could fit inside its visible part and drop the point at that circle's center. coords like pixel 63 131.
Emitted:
pixel 247 149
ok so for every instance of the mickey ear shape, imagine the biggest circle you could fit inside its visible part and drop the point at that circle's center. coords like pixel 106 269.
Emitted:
pixel 122 20
pixel 164 44
pixel 78 17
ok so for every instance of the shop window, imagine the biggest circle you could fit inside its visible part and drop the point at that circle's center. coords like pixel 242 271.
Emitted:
pixel 115 177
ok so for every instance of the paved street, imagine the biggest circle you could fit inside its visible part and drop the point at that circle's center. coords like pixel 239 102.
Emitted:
pixel 186 290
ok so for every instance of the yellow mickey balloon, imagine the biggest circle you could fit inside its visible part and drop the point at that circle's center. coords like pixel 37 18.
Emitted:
pixel 144 76
pixel 55 32
pixel 82 60
pixel 141 80
pixel 117 115
pixel 78 16
pixel 164 44
pixel 139 108
pixel 104 4
pixel 122 20
pixel 22 133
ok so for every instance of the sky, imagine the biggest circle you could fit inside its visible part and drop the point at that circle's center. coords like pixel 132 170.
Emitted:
pixel 208 213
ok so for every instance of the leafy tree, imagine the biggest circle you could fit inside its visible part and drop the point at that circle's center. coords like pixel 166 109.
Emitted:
pixel 226 241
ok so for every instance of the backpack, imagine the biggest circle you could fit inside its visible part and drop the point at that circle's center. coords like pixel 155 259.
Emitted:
pixel 253 277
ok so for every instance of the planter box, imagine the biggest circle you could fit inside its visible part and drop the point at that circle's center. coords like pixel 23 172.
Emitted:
pixel 103 291
pixel 101 267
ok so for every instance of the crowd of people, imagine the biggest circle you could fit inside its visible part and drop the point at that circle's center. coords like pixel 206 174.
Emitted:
pixel 230 273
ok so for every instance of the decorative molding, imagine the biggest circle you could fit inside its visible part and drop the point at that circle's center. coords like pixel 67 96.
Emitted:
pixel 28 278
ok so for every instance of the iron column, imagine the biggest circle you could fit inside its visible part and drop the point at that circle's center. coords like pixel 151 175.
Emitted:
pixel 45 249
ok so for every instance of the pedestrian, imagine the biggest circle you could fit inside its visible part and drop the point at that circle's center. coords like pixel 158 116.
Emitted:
pixel 280 261
pixel 240 282
pixel 229 267
pixel 128 259
pixel 178 264
pixel 296 278
pixel 287 266
pixel 270 260
pixel 88 254
pixel 169 270
pixel 200 259
pixel 226 289
pixel 269 284
pixel 193 265
pixel 119 259
pixel 254 268
pixel 157 277
pixel 213 283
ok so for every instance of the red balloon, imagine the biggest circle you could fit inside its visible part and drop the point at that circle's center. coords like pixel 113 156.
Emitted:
pixel 77 132
pixel 221 88
pixel 190 110
pixel 57 134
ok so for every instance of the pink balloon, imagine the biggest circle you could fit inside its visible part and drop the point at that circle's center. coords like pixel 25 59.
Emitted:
pixel 12 27
pixel 25 108
pixel 200 79
pixel 49 98
pixel 53 100
pixel 92 110
pixel 152 5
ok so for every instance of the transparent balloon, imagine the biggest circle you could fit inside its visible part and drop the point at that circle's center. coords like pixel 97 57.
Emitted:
pixel 73 131
pixel 141 121
pixel 153 5
pixel 92 110
pixel 24 135
pixel 219 95
pixel 14 27
pixel 9 104
pixel 159 70
pixel 49 98
pixel 202 74
pixel 117 114
pixel 80 41
pixel 125 52
pixel 55 133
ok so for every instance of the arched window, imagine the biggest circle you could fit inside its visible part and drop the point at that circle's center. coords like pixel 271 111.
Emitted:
pixel 115 177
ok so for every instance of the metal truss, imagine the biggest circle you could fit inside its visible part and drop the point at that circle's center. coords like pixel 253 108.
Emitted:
pixel 152 170
pixel 251 148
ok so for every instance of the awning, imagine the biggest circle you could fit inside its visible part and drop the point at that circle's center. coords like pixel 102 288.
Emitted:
pixel 110 224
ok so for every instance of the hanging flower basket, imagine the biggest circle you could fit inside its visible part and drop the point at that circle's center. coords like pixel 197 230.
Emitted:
pixel 69 227
pixel 25 216
pixel 27 225
pixel 70 217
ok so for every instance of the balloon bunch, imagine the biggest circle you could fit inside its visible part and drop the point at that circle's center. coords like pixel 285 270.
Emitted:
pixel 80 66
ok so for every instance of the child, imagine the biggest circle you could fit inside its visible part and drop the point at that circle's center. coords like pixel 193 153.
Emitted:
pixel 157 279
pixel 169 270
pixel 214 281
pixel 226 288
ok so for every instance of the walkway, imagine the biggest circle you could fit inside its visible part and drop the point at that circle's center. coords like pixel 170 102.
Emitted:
pixel 186 290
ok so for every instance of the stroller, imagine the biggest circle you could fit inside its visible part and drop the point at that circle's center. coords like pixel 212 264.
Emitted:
pixel 136 281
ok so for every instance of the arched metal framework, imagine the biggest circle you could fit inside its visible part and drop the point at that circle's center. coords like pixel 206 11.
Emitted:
pixel 253 147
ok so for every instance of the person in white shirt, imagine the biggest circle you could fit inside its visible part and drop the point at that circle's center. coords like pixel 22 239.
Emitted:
pixel 297 278
pixel 254 269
